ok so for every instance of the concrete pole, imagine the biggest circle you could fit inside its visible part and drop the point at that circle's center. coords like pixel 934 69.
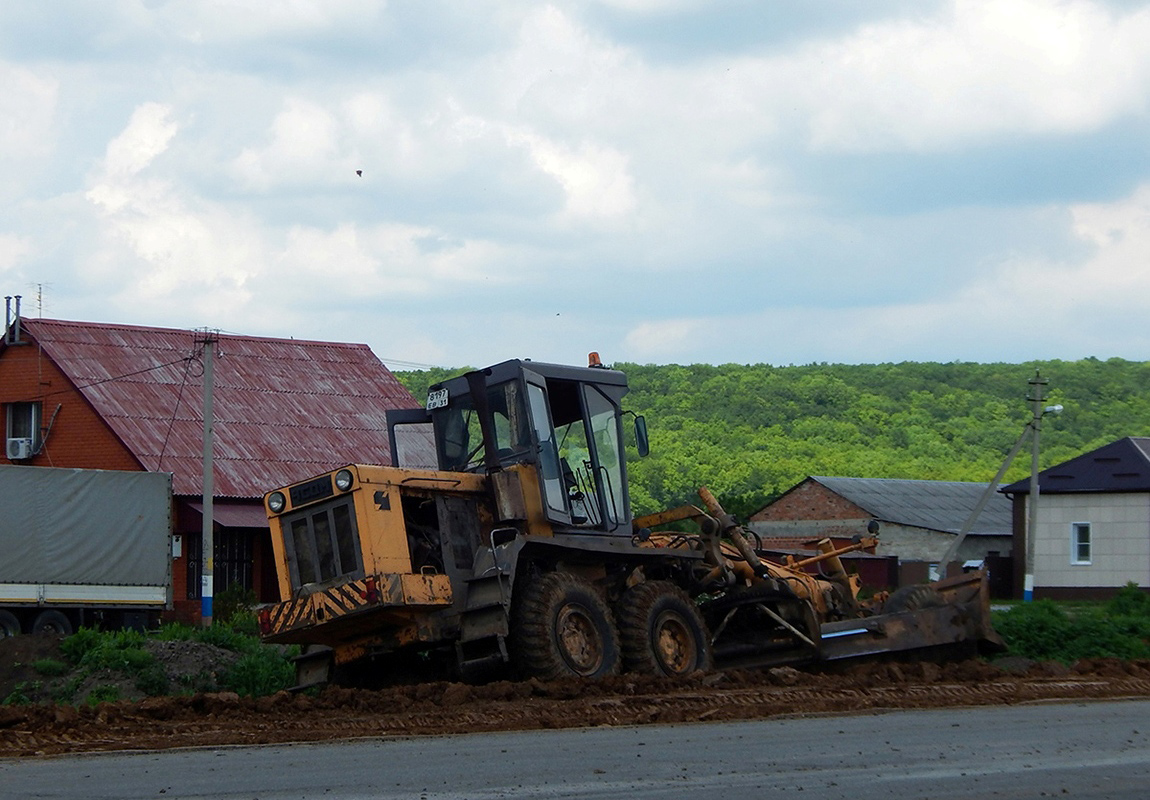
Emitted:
pixel 1036 383
pixel 991 488
pixel 207 557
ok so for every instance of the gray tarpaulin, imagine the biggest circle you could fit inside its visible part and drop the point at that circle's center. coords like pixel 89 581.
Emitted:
pixel 84 526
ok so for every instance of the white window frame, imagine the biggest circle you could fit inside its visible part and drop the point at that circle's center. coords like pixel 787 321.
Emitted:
pixel 36 413
pixel 1075 528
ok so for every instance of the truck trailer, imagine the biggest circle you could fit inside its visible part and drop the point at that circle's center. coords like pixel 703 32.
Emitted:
pixel 517 553
pixel 83 547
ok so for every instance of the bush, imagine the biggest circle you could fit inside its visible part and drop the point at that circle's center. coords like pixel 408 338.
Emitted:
pixel 76 646
pixel 50 667
pixel 232 601
pixel 1036 630
pixel 18 697
pixel 1130 601
pixel 103 694
pixel 152 680
pixel 260 672
pixel 122 651
pixel 225 637
pixel 1044 631
pixel 245 622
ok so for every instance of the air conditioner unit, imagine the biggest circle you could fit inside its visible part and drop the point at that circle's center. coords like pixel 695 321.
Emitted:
pixel 19 448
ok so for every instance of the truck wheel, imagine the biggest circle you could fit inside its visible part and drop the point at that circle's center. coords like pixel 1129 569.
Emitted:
pixel 563 628
pixel 52 622
pixel 9 625
pixel 662 631
pixel 912 598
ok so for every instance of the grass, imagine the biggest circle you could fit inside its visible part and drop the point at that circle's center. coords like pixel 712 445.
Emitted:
pixel 1046 630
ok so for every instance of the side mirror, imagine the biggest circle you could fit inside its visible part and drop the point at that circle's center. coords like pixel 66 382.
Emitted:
pixel 642 443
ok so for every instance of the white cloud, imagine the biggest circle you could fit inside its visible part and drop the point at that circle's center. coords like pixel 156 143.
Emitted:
pixel 1027 308
pixel 154 251
pixel 989 68
pixel 209 21
pixel 594 178
pixel 652 7
pixel 148 134
pixel 660 340
pixel 551 148
pixel 13 250
pixel 27 112
pixel 304 147
pixel 384 261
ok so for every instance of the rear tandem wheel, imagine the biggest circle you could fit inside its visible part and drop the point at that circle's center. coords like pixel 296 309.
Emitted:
pixel 9 625
pixel 52 621
pixel 662 631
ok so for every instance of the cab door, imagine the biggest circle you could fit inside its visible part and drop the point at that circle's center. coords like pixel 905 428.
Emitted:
pixel 551 480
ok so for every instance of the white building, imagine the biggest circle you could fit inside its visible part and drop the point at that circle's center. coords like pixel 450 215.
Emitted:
pixel 1092 530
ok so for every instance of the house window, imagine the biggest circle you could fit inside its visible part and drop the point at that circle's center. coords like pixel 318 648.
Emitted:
pixel 24 422
pixel 1080 543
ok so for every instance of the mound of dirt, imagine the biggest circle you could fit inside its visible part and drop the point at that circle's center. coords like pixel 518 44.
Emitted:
pixel 211 719
pixel 33 669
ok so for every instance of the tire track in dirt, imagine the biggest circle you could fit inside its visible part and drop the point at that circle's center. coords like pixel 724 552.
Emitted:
pixel 212 720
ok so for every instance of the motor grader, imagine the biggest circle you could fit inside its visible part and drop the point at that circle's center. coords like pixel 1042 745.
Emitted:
pixel 512 549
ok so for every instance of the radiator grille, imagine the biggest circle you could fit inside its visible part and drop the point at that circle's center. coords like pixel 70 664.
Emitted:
pixel 323 544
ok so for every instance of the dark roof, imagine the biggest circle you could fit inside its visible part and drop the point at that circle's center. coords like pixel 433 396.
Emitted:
pixel 1121 466
pixel 935 505
pixel 284 409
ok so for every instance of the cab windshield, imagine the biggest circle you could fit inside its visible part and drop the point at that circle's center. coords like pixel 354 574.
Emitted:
pixel 460 437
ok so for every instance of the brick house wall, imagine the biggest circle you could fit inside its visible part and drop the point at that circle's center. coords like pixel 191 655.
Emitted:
pixel 810 500
pixel 78 436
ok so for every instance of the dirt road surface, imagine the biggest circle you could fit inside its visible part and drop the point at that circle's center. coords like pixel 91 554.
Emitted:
pixel 215 719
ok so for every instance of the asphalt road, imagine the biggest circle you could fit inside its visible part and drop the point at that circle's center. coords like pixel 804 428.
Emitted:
pixel 1085 750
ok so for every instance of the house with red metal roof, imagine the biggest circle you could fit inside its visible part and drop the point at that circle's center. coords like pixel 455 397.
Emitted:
pixel 125 397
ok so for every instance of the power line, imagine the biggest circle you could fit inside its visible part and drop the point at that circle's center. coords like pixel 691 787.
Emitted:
pixel 107 380
pixel 410 364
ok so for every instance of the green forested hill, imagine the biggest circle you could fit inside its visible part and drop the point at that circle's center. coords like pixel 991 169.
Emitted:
pixel 752 431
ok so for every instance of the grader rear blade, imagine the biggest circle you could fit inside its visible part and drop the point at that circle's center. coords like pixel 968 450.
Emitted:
pixel 953 620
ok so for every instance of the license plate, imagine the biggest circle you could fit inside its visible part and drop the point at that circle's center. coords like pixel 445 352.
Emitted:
pixel 436 399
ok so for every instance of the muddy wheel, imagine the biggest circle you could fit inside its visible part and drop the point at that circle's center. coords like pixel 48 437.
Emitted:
pixel 912 598
pixel 662 631
pixel 9 625
pixel 563 628
pixel 52 622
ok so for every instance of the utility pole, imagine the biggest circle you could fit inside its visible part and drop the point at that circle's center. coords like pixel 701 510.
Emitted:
pixel 1037 383
pixel 207 557
pixel 1031 428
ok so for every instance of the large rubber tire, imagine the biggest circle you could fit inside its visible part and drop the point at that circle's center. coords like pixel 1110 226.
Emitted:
pixel 912 598
pixel 563 628
pixel 52 621
pixel 662 631
pixel 9 625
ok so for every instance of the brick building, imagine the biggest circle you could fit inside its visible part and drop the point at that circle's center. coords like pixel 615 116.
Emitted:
pixel 80 394
pixel 919 520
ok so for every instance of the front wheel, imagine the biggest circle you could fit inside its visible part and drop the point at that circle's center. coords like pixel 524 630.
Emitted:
pixel 662 631
pixel 562 628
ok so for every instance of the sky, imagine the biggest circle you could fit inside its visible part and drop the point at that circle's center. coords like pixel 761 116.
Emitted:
pixel 660 181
